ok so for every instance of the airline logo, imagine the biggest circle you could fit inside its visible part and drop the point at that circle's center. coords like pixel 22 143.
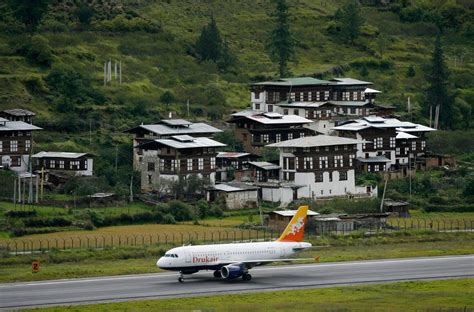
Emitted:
pixel 204 259
pixel 295 229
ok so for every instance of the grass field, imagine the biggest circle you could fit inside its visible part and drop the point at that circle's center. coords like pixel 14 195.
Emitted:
pixel 445 295
pixel 129 260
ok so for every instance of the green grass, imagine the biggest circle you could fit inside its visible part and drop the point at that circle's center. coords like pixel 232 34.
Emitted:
pixel 130 260
pixel 444 295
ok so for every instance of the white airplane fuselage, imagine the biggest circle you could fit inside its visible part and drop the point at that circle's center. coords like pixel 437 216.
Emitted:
pixel 189 259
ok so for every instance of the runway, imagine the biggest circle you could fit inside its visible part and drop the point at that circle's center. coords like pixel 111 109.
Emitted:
pixel 165 285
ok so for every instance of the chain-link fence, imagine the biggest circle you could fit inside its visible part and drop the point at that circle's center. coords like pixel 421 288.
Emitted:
pixel 101 241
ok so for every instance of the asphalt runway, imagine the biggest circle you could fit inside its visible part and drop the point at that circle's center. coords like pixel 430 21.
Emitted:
pixel 165 285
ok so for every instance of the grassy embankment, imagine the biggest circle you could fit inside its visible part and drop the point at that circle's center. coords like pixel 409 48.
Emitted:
pixel 134 260
pixel 447 295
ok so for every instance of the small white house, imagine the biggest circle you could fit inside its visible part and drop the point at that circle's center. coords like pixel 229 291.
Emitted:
pixel 236 195
pixel 81 164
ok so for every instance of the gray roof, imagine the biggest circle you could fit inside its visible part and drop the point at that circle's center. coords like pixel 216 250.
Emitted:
pixel 375 159
pixel 284 119
pixel 291 213
pixel 164 129
pixel 234 187
pixel 232 154
pixel 265 165
pixel 350 103
pixel 405 136
pixel 7 125
pixel 298 81
pixel 195 143
pixel 59 155
pixel 19 112
pixel 176 122
pixel 382 123
pixel 350 81
pixel 315 141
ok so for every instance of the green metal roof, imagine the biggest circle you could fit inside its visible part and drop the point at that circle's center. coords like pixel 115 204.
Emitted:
pixel 299 81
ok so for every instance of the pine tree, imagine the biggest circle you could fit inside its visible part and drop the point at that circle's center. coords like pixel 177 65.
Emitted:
pixel 228 58
pixel 29 12
pixel 437 93
pixel 281 43
pixel 209 43
pixel 350 21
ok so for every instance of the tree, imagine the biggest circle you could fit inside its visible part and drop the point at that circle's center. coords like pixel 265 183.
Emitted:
pixel 227 59
pixel 411 71
pixel 209 43
pixel 167 98
pixel 350 21
pixel 281 43
pixel 84 14
pixel 382 44
pixel 29 12
pixel 437 92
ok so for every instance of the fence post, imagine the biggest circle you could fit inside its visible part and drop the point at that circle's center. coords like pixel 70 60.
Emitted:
pixel 182 243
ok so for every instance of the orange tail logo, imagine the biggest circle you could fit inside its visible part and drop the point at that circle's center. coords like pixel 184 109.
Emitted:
pixel 295 229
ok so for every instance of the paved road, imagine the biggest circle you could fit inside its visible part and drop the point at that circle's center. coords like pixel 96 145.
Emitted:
pixel 165 285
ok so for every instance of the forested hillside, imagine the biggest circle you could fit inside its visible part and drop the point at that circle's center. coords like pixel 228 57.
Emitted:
pixel 54 65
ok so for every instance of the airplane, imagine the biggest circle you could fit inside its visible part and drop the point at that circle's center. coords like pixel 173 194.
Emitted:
pixel 230 261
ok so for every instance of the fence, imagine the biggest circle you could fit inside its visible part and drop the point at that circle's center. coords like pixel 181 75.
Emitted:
pixel 100 241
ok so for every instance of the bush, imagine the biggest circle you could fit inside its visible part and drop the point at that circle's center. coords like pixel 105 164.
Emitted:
pixel 20 214
pixel 181 211
pixel 38 51
pixel 123 23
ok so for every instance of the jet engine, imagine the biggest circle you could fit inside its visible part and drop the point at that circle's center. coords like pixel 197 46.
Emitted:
pixel 231 271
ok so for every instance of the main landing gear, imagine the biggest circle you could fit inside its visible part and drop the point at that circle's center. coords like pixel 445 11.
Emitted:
pixel 217 274
pixel 246 277
pixel 181 277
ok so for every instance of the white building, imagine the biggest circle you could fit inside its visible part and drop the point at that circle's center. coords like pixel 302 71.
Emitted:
pixel 79 164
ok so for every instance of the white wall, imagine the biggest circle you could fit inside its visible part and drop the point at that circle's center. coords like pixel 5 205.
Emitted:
pixel 238 200
pixel 89 171
pixel 325 189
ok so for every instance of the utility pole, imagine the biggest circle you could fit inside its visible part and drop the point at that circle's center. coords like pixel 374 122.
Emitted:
pixel 383 195
pixel 131 187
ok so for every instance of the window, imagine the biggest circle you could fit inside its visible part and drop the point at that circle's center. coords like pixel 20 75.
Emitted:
pixel 190 165
pixel 151 166
pixel 376 168
pixel 318 177
pixel 257 95
pixel 162 164
pixel 413 146
pixel 423 145
pixel 330 176
pixel 397 151
pixel 378 143
pixel 149 179
pixel 278 137
pixel 308 163
pixel 290 136
pixel 52 164
pixel 296 112
pixel 338 161
pixel 392 142
pixel 306 149
pixel 1 146
pixel 351 160
pixel 13 146
pixel 285 111
pixel 318 98
pixel 265 138
pixel 27 145
pixel 342 175
pixel 173 164
pixel 354 96
pixel 345 96
pixel 201 164
pixel 301 134
pixel 323 162
pixel 326 95
pixel 270 108
pixel 61 164
pixel 213 163
pixel 257 106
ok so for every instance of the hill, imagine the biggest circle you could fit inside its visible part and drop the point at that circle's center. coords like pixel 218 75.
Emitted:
pixel 58 72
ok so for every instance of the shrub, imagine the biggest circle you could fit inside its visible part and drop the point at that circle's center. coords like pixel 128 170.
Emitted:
pixel 181 211
pixel 20 214
pixel 123 23
pixel 38 51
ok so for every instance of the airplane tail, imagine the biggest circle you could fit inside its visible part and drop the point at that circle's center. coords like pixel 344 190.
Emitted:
pixel 294 231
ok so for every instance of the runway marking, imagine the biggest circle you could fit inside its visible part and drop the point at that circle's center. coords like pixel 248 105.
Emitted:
pixel 285 267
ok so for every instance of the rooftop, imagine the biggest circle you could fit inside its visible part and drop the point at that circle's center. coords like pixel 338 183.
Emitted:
pixel 232 154
pixel 234 187
pixel 19 112
pixel 180 144
pixel 405 136
pixel 59 155
pixel 379 122
pixel 176 126
pixel 291 213
pixel 374 159
pixel 315 141
pixel 298 81
pixel 7 125
pixel 350 81
pixel 265 165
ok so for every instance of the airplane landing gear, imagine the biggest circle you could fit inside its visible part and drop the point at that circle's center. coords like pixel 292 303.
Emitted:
pixel 217 274
pixel 246 277
pixel 181 278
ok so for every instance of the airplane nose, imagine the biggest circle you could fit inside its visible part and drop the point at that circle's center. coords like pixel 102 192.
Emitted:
pixel 159 263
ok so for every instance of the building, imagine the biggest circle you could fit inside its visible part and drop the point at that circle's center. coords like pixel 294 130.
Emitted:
pixel 16 139
pixel 235 195
pixel 320 166
pixel 278 220
pixel 78 164
pixel 166 129
pixel 256 129
pixel 397 207
pixel 390 144
pixel 166 160
pixel 322 101
pixel 234 166
pixel 18 114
